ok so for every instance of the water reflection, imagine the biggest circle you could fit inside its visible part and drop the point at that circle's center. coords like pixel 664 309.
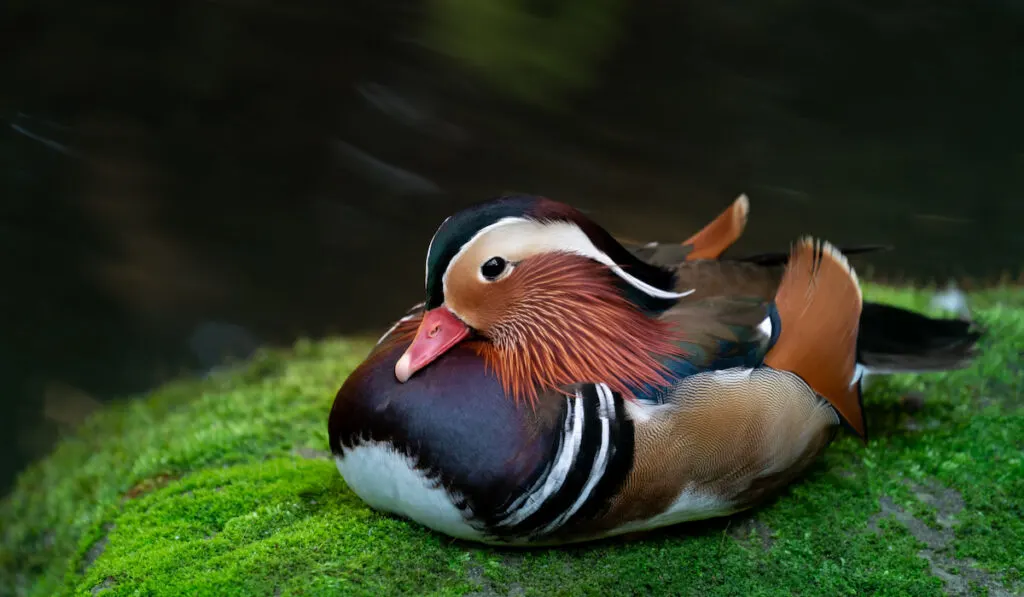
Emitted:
pixel 188 179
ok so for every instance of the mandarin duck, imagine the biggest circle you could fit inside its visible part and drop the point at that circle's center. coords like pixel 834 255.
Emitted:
pixel 556 386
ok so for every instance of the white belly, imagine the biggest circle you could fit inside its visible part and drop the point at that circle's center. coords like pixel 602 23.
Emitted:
pixel 386 480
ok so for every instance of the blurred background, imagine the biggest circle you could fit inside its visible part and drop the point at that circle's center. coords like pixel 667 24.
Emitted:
pixel 184 180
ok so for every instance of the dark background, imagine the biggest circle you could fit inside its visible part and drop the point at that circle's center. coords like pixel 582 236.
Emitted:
pixel 184 180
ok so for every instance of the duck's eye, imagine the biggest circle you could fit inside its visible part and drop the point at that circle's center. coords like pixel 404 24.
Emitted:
pixel 492 268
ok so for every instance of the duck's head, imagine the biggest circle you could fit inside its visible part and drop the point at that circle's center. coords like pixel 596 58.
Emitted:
pixel 547 296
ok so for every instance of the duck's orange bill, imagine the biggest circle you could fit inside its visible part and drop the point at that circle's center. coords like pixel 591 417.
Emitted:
pixel 439 331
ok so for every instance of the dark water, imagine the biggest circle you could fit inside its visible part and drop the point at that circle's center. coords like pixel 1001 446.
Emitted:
pixel 185 179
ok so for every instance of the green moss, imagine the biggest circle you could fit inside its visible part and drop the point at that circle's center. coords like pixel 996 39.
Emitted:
pixel 221 486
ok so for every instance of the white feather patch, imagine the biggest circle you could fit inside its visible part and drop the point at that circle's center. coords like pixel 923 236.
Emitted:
pixel 387 481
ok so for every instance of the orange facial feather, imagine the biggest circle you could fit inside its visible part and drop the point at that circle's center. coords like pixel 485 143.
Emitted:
pixel 563 320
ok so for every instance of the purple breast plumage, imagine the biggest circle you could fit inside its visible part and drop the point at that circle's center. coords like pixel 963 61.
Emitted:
pixel 451 451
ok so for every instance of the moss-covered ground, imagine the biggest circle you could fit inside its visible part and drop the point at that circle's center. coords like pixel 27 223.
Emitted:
pixel 222 486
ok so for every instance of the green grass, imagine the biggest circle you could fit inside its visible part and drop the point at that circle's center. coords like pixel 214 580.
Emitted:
pixel 221 486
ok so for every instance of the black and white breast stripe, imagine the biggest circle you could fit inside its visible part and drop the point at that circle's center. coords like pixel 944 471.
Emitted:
pixel 593 458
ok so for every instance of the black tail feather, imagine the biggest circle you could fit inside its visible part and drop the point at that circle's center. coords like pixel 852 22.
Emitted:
pixel 895 340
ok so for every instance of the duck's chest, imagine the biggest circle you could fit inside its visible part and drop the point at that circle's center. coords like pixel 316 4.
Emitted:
pixel 450 451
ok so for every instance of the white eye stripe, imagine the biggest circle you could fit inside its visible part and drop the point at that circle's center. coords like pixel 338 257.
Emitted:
pixel 462 250
pixel 531 237
pixel 644 286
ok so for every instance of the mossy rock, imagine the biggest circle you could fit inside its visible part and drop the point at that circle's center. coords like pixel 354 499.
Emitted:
pixel 223 486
